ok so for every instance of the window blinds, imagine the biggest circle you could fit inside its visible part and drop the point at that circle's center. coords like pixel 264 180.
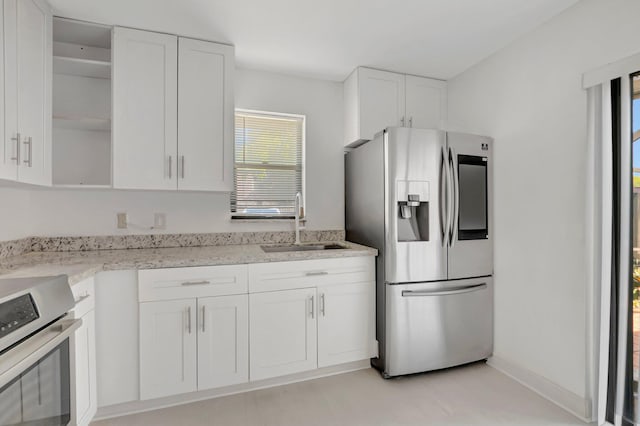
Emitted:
pixel 268 164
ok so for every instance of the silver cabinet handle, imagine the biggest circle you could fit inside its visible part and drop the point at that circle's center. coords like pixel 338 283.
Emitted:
pixel 182 166
pixel 81 298
pixel 316 273
pixel 203 308
pixel 410 121
pixel 311 308
pixel 189 319
pixel 170 166
pixel 29 143
pixel 322 304
pixel 188 283
pixel 402 121
pixel 460 290
pixel 17 139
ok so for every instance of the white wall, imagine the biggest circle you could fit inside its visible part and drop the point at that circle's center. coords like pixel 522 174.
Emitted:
pixel 93 212
pixel 528 96
pixel 15 214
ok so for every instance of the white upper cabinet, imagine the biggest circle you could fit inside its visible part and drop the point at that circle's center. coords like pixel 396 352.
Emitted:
pixel 145 115
pixel 426 102
pixel 377 99
pixel 205 118
pixel 374 100
pixel 173 112
pixel 26 153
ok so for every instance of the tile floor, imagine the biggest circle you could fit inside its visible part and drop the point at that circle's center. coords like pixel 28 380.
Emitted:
pixel 471 395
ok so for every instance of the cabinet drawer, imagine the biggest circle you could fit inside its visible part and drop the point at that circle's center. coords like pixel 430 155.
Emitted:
pixel 310 273
pixel 200 281
pixel 85 296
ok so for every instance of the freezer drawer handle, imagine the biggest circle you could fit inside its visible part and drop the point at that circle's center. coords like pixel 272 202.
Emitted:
pixel 469 289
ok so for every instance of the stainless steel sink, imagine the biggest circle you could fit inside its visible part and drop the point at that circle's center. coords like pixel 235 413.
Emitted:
pixel 301 247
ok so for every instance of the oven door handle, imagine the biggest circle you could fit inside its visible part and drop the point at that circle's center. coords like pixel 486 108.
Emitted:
pixel 19 358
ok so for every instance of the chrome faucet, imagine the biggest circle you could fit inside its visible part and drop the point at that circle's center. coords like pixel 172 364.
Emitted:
pixel 297 204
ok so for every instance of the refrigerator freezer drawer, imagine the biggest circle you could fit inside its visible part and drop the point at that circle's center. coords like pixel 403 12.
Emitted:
pixel 438 325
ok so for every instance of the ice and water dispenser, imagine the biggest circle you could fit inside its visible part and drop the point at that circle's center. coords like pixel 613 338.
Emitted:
pixel 412 199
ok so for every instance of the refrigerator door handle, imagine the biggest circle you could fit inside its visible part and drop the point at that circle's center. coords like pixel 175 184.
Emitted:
pixel 460 290
pixel 453 163
pixel 444 197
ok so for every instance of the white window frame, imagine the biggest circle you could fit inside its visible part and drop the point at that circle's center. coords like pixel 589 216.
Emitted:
pixel 262 218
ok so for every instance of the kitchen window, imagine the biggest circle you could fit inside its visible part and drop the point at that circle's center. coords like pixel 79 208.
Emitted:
pixel 268 165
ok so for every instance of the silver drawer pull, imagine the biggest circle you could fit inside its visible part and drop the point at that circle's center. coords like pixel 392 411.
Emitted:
pixel 81 298
pixel 188 283
pixel 468 289
pixel 315 273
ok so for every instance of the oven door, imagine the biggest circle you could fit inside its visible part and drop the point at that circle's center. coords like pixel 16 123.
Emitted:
pixel 35 378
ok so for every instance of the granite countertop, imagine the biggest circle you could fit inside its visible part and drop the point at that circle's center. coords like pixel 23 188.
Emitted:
pixel 79 265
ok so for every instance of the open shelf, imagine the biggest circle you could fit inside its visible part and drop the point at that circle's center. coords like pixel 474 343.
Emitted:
pixel 82 123
pixel 81 82
pixel 81 67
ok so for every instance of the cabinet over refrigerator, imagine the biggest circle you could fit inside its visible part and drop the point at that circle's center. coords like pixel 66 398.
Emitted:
pixel 423 198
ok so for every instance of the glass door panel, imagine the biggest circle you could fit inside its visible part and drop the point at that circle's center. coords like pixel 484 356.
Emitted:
pixel 631 406
pixel 473 218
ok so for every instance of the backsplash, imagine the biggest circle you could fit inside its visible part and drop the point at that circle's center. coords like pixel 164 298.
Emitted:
pixel 15 247
pixel 114 242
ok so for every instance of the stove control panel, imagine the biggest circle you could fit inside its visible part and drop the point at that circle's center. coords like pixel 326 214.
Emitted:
pixel 17 313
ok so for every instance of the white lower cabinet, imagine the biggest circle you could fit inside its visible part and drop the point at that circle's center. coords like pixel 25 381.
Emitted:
pixel 210 327
pixel 85 346
pixel 198 318
pixel 283 332
pixel 223 341
pixel 346 323
pixel 167 348
pixel 84 352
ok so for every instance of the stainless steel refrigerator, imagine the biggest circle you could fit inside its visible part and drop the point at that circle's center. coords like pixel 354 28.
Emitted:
pixel 423 198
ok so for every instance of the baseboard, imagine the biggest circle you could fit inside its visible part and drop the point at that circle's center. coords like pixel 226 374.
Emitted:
pixel 569 401
pixel 134 407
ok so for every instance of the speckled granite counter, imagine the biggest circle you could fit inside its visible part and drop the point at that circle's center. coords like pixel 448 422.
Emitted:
pixel 79 265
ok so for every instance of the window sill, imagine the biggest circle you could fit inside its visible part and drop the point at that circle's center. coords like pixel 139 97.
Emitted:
pixel 265 219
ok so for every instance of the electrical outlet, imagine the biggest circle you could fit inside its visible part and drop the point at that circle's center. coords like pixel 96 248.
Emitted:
pixel 159 221
pixel 122 220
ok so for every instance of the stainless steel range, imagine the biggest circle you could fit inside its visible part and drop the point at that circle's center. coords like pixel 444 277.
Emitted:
pixel 35 372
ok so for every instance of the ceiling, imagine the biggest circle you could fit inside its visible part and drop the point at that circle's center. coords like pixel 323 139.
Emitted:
pixel 328 38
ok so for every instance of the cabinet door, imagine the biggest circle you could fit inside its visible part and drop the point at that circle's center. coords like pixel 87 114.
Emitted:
pixel 205 119
pixel 167 348
pixel 145 116
pixel 28 41
pixel 282 332
pixel 85 368
pixel 382 101
pixel 346 323
pixel 426 103
pixel 223 341
pixel 8 146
